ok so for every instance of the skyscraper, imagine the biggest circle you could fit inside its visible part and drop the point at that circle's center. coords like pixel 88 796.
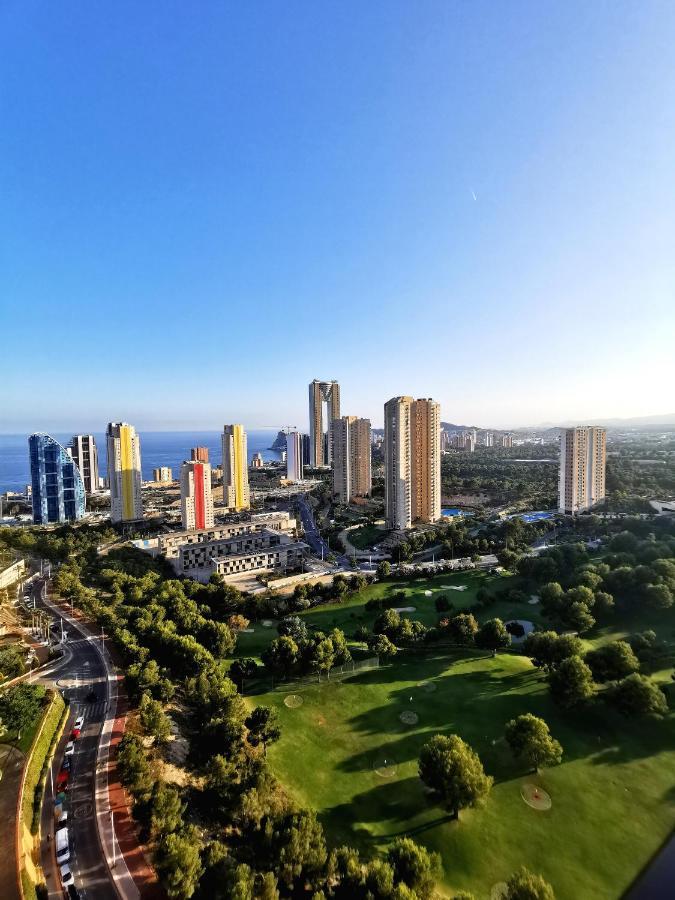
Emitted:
pixel 85 454
pixel 200 453
pixel 57 487
pixel 412 461
pixel 321 447
pixel 196 502
pixel 351 458
pixel 294 456
pixel 124 472
pixel 583 456
pixel 235 468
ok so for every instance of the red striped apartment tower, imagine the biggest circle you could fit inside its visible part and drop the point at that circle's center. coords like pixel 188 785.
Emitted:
pixel 196 502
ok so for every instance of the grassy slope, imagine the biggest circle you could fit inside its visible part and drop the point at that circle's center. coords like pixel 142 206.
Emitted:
pixel 366 536
pixel 613 795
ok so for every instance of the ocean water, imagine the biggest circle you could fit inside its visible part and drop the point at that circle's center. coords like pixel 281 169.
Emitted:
pixel 158 448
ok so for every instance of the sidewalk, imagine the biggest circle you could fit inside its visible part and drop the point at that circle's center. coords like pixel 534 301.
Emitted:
pixel 131 874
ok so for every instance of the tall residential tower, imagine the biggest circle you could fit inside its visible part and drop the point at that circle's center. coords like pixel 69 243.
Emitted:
pixel 412 461
pixel 235 468
pixel 196 502
pixel 351 458
pixel 124 472
pixel 85 453
pixel 583 455
pixel 294 456
pixel 321 443
pixel 57 487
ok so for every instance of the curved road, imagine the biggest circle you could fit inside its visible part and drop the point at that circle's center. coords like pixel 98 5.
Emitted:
pixel 83 673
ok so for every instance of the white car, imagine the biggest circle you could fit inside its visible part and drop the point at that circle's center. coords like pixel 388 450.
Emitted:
pixel 66 876
pixel 79 722
pixel 70 748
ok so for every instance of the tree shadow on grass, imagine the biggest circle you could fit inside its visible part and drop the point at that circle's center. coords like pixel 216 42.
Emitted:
pixel 382 804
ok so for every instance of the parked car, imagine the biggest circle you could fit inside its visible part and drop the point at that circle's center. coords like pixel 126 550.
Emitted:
pixel 67 763
pixel 66 876
pixel 70 749
pixel 62 780
pixel 62 846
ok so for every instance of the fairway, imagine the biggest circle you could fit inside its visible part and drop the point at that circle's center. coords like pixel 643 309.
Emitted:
pixel 610 800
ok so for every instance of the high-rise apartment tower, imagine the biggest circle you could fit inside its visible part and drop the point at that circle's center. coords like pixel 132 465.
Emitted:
pixel 351 458
pixel 124 472
pixel 583 456
pixel 412 460
pixel 57 488
pixel 196 502
pixel 235 468
pixel 294 456
pixel 321 445
pixel 85 453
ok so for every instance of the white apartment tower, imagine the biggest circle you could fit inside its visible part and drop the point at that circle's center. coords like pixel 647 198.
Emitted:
pixel 352 476
pixel 196 501
pixel 124 472
pixel 294 456
pixel 320 435
pixel 583 456
pixel 412 459
pixel 85 455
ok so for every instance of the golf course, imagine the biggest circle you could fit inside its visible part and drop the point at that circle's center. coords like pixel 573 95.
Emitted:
pixel 612 801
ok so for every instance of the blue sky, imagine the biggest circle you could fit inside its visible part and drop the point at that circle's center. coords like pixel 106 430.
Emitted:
pixel 204 206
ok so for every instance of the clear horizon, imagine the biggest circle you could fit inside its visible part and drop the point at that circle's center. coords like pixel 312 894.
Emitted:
pixel 201 214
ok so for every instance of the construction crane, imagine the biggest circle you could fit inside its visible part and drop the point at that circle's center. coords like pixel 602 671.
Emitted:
pixel 285 428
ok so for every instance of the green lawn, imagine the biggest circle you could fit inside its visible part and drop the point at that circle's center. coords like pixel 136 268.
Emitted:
pixel 366 536
pixel 350 613
pixel 612 797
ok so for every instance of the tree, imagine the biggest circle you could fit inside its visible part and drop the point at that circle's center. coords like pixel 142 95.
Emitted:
pixel 302 854
pixel 384 569
pixel 20 706
pixel 263 727
pixel 658 595
pixel 414 866
pixel 450 767
pixel 237 622
pixel 530 739
pixel 133 766
pixel 381 646
pixel 178 862
pixel 612 661
pixel 507 559
pixel 572 682
pixel 463 628
pixel 242 669
pixel 341 652
pixel 493 635
pixel 12 661
pixel 387 623
pixel 442 604
pixel 604 602
pixel 154 720
pixel 548 649
pixel 636 695
pixel 293 627
pixel 280 656
pixel 322 657
pixel 166 809
pixel 525 885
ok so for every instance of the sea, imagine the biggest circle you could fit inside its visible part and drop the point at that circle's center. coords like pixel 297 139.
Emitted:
pixel 158 448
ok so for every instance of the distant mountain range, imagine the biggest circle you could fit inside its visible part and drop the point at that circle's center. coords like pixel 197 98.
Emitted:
pixel 634 422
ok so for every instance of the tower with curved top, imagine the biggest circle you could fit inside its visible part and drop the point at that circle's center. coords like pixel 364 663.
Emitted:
pixel 58 488
pixel 320 432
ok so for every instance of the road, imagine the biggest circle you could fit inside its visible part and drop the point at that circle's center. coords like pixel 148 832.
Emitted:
pixel 312 534
pixel 83 673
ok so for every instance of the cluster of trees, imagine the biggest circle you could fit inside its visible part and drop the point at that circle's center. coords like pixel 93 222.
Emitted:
pixel 573 677
pixel 297 651
pixel 454 772
pixel 12 661
pixel 497 472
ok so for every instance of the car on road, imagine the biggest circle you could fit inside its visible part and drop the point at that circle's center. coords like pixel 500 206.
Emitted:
pixel 70 749
pixel 66 876
pixel 78 725
pixel 62 842
pixel 62 780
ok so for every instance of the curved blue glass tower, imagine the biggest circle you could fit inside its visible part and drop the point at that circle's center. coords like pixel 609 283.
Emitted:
pixel 58 489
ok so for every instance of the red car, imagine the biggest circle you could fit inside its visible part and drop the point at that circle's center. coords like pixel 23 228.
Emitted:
pixel 62 780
